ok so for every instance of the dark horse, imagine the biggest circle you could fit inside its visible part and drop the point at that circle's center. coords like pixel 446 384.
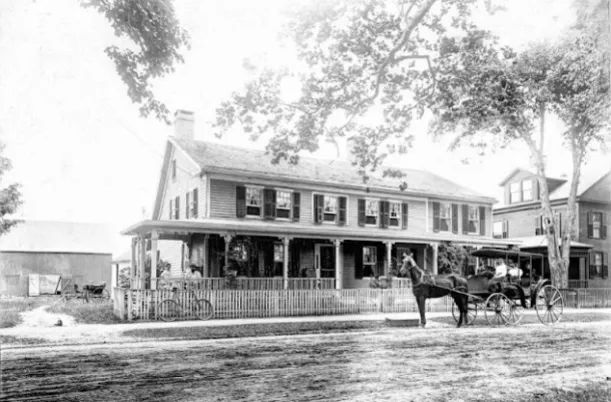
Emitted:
pixel 430 287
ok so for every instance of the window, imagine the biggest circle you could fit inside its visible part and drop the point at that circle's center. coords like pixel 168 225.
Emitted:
pixel 253 201
pixel 278 259
pixel 445 216
pixel 192 204
pixel 174 169
pixel 370 260
pixel 283 204
pixel 514 190
pixel 395 214
pixel 473 224
pixel 177 207
pixel 527 193
pixel 595 226
pixel 330 208
pixel 371 212
pixel 598 264
pixel 171 209
pixel 497 230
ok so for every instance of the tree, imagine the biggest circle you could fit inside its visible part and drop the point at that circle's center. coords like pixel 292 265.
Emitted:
pixel 452 258
pixel 490 95
pixel 152 26
pixel 364 70
pixel 10 197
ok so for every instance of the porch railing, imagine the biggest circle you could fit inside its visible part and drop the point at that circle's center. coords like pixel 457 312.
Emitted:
pixel 577 284
pixel 241 283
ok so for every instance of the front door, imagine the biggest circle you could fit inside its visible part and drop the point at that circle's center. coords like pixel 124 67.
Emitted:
pixel 325 261
pixel 574 269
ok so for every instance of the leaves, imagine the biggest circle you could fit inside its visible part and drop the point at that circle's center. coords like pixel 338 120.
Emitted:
pixel 10 197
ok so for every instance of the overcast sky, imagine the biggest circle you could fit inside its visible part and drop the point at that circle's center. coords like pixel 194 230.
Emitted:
pixel 82 152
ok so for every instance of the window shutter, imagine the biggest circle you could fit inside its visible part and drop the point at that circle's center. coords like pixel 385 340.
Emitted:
pixel 591 265
pixel 560 224
pixel 177 207
pixel 358 260
pixel 296 206
pixel 454 218
pixel 318 208
pixel 361 207
pixel 603 226
pixel 195 202
pixel 343 201
pixel 171 210
pixel 465 218
pixel 505 229
pixel 384 207
pixel 240 201
pixel 482 221
pixel 404 214
pixel 269 203
pixel 187 205
pixel 537 229
pixel 605 270
pixel 590 226
pixel 436 217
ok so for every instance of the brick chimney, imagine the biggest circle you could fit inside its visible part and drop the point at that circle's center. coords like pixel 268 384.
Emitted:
pixel 184 124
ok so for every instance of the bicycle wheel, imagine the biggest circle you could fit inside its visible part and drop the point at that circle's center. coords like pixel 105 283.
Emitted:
pixel 203 309
pixel 168 310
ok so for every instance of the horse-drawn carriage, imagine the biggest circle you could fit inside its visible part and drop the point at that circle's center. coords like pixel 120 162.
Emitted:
pixel 499 298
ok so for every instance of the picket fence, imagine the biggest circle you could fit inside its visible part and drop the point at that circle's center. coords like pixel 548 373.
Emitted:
pixel 135 304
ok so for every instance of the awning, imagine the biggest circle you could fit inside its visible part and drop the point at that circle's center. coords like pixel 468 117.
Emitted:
pixel 496 253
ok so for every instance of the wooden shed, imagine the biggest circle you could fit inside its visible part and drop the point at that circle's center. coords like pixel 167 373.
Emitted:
pixel 34 254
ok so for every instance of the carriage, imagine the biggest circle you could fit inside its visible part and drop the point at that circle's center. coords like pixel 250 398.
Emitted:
pixel 504 303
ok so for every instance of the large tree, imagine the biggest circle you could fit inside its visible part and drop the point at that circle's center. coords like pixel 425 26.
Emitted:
pixel 488 95
pixel 10 197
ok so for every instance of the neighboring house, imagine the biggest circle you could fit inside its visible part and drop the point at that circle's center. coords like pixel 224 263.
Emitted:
pixel 120 263
pixel 34 254
pixel 223 206
pixel 521 219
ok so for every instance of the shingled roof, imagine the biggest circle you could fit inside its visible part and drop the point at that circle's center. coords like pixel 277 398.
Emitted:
pixel 215 157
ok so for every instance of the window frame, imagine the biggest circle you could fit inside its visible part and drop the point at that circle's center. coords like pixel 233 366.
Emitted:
pixel 370 267
pixel 324 207
pixel 289 193
pixel 399 218
pixel 448 219
pixel 376 215
pixel 191 203
pixel 518 192
pixel 599 270
pixel 247 201
pixel 495 234
pixel 600 224
pixel 522 190
pixel 476 225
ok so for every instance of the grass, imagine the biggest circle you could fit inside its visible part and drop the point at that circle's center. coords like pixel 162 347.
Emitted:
pixel 8 339
pixel 86 313
pixel 10 309
pixel 253 330
pixel 593 392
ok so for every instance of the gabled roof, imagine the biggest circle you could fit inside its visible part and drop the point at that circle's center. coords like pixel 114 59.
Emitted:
pixel 586 181
pixel 214 157
pixel 513 173
pixel 57 237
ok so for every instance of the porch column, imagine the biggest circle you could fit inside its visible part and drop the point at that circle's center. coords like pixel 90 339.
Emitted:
pixel 435 258
pixel 388 266
pixel 339 270
pixel 142 280
pixel 285 261
pixel 154 238
pixel 206 273
pixel 227 239
pixel 134 261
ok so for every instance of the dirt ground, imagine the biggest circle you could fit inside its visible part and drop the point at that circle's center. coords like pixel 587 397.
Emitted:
pixel 399 364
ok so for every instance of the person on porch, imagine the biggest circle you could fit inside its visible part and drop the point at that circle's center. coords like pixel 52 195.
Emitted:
pixel 165 277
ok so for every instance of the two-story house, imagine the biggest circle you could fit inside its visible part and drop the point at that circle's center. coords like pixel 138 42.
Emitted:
pixel 223 207
pixel 521 219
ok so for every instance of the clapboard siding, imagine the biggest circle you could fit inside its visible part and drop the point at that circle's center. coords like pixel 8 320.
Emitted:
pixel 223 198
pixel 171 251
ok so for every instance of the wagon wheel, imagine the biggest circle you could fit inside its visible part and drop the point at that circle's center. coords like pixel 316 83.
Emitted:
pixel 168 310
pixel 203 309
pixel 104 296
pixel 549 305
pixel 516 313
pixel 498 309
pixel 471 312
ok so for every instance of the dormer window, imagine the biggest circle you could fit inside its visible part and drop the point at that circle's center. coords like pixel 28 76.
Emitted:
pixel 515 192
pixel 521 191
pixel 527 190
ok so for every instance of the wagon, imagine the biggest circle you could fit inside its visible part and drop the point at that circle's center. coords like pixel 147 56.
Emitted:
pixel 500 304
pixel 96 293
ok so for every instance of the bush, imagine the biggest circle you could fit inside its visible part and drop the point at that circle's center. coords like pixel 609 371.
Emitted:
pixel 86 313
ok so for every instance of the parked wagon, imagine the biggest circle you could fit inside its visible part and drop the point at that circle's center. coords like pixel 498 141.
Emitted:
pixel 500 302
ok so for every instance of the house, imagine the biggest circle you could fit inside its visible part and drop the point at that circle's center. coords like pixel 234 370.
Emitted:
pixel 34 254
pixel 225 208
pixel 521 219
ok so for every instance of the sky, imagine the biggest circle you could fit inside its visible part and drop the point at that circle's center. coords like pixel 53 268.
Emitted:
pixel 82 152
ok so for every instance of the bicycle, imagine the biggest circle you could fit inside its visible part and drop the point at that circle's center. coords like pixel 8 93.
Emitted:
pixel 170 309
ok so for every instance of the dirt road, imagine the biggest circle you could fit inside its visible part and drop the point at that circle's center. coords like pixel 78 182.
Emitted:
pixel 395 364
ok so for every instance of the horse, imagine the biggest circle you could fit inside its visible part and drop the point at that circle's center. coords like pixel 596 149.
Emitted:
pixel 431 287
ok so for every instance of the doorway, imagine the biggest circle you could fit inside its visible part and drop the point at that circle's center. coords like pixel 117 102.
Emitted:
pixel 324 256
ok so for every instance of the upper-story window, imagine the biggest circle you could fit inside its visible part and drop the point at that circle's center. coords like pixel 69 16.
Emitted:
pixel 521 191
pixel 177 207
pixel 514 195
pixel 372 212
pixel 500 229
pixel 527 190
pixel 253 201
pixel 473 221
pixel 330 209
pixel 445 216
pixel 395 214
pixel 191 204
pixel 283 204
pixel 596 225
pixel 269 203
pixel 173 169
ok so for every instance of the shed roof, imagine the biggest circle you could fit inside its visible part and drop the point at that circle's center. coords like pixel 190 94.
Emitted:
pixel 58 237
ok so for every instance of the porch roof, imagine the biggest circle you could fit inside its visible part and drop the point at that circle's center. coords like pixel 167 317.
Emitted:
pixel 540 241
pixel 275 229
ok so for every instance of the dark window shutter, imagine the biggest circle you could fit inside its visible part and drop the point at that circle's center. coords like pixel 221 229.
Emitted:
pixel 590 226
pixel 171 214
pixel 240 201
pixel 187 205
pixel 454 218
pixel 383 208
pixel 318 208
pixel 605 270
pixel 361 207
pixel 537 229
pixel 603 226
pixel 465 218
pixel 436 217
pixel 296 206
pixel 404 215
pixel 560 224
pixel 269 203
pixel 505 229
pixel 342 201
pixel 358 260
pixel 195 202
pixel 482 221
pixel 177 207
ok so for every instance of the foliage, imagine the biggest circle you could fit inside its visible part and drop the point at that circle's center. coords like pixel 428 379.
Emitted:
pixel 452 258
pixel 10 196
pixel 156 40
pixel 10 309
pixel 86 313
pixel 364 73
pixel 123 280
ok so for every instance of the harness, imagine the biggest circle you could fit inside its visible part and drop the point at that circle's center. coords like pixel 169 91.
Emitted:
pixel 425 278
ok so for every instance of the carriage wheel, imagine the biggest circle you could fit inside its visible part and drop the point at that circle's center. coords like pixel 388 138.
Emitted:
pixel 498 309
pixel 105 296
pixel 203 309
pixel 471 312
pixel 549 305
pixel 516 313
pixel 168 310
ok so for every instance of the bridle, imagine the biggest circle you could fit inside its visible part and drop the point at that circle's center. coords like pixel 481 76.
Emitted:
pixel 411 264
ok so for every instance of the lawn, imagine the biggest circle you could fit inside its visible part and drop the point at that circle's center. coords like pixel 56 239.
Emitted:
pixel 86 313
pixel 10 309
